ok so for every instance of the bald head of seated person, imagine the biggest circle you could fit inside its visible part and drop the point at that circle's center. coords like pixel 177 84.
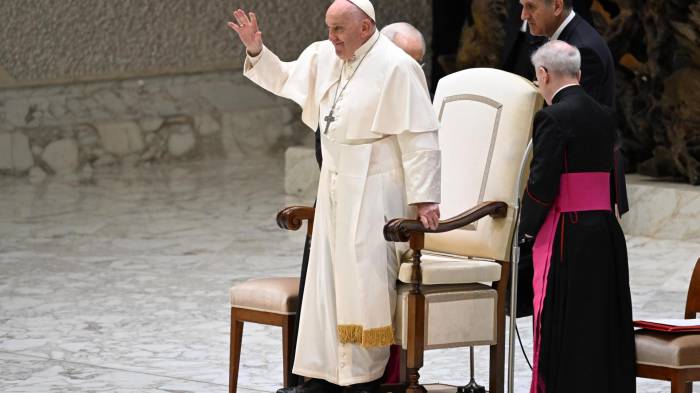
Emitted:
pixel 406 37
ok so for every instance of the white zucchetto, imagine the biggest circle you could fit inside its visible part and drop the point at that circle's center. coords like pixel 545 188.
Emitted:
pixel 366 6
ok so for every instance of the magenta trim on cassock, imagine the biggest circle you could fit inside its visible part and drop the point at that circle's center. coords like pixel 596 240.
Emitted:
pixel 583 191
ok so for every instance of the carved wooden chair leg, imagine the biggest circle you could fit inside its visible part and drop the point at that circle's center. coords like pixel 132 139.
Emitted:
pixel 496 359
pixel 497 354
pixel 678 384
pixel 287 337
pixel 235 351
pixel 416 336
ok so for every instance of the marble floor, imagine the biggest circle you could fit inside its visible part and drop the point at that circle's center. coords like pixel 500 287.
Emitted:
pixel 121 284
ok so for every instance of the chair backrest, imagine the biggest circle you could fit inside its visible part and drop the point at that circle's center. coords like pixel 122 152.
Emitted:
pixel 486 120
pixel 692 304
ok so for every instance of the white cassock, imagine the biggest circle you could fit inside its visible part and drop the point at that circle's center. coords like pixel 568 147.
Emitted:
pixel 380 154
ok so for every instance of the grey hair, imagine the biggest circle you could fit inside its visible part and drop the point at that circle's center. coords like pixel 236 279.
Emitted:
pixel 558 57
pixel 404 29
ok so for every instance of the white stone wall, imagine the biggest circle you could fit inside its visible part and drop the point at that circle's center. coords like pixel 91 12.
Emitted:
pixel 74 93
pixel 301 172
pixel 74 128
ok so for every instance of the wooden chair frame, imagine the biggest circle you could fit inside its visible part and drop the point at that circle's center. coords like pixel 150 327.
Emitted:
pixel 681 378
pixel 291 218
pixel 402 230
pixel 241 315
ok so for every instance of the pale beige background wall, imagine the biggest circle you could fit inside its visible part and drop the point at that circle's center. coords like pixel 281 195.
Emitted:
pixel 71 40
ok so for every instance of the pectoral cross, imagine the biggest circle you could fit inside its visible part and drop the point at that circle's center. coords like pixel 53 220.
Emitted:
pixel 329 119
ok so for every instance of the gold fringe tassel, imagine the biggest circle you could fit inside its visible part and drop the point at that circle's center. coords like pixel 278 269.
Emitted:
pixel 350 334
pixel 368 338
pixel 378 337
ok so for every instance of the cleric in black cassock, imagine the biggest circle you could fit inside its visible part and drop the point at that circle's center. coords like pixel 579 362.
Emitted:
pixel 568 21
pixel 584 339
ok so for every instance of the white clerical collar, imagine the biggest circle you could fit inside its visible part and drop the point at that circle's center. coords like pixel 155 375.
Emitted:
pixel 562 88
pixel 563 24
pixel 361 51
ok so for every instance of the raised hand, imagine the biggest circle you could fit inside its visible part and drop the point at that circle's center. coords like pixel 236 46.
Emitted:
pixel 247 28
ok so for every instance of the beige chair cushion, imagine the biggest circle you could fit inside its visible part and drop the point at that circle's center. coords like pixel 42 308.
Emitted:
pixel 442 269
pixel 668 349
pixel 455 315
pixel 278 295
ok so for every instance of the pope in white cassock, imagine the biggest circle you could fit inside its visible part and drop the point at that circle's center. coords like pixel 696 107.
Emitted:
pixel 381 161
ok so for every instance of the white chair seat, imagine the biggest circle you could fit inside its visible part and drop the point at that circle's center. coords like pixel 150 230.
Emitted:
pixel 440 269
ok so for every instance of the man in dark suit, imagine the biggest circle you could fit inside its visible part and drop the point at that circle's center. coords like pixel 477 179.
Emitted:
pixel 552 20
pixel 556 20
pixel 519 44
pixel 583 309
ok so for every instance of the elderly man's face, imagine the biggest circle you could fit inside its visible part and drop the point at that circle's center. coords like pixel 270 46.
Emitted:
pixel 542 17
pixel 346 30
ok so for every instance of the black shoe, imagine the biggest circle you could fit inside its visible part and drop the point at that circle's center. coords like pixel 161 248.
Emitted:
pixel 313 386
pixel 368 387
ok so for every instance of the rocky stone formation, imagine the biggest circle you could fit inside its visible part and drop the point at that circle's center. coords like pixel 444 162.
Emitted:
pixel 61 156
pixel 15 152
pixel 301 172
pixel 71 130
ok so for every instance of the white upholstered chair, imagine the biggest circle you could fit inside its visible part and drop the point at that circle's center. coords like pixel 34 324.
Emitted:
pixel 452 292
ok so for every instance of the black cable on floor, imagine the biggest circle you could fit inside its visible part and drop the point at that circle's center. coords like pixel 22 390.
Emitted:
pixel 517 332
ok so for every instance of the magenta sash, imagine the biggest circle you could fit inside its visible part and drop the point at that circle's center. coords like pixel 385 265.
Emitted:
pixel 583 191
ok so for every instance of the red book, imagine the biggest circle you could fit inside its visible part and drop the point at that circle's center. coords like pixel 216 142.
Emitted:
pixel 670 325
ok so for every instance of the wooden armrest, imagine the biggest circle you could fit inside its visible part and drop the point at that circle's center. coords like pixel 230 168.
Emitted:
pixel 401 229
pixel 292 218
